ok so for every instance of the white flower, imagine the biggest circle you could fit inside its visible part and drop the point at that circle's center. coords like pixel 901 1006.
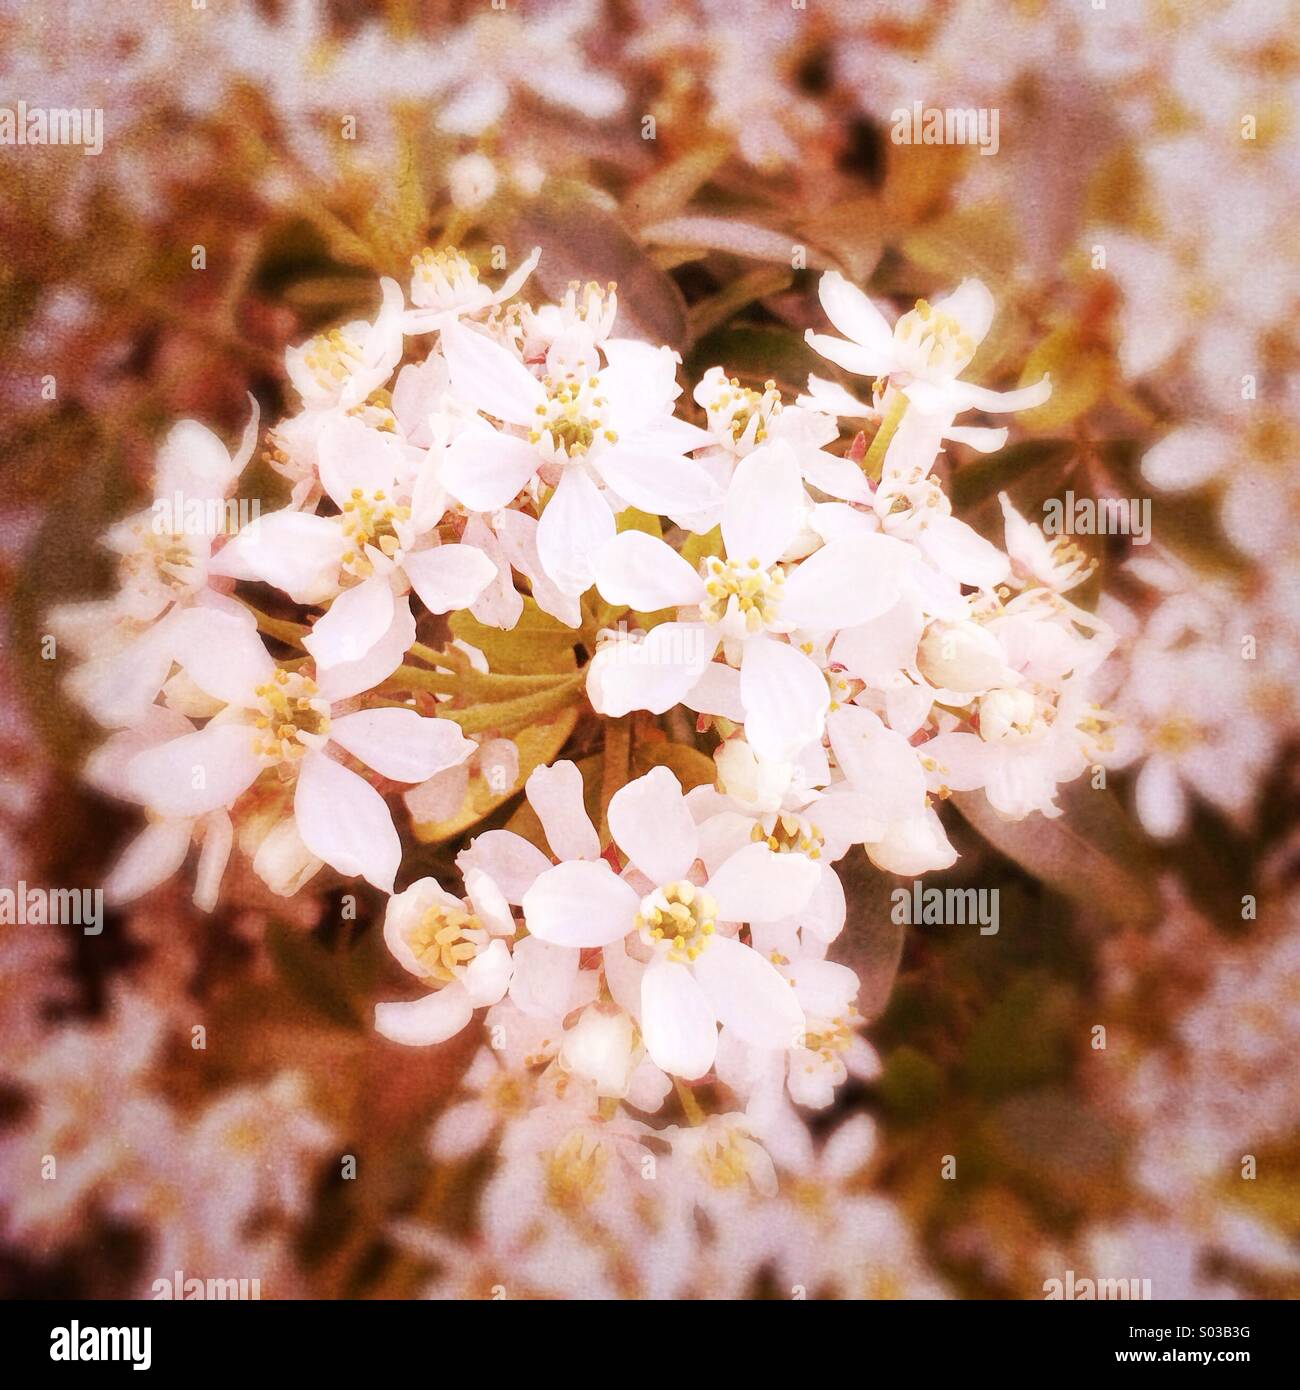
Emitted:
pixel 445 286
pixel 606 441
pixel 275 719
pixel 459 946
pixel 344 365
pixel 747 602
pixel 694 974
pixel 923 353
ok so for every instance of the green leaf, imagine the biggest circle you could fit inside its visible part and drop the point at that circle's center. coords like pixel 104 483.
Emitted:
pixel 536 645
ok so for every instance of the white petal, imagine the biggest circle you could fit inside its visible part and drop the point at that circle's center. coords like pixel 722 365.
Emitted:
pixel 876 649
pixel 854 315
pixel 764 505
pixel 1161 801
pixel 971 305
pixel 659 482
pixel 510 861
pixel 495 380
pixel 150 859
pixel 222 654
pixel 556 794
pixel 197 773
pixel 580 903
pixel 717 692
pixel 449 576
pixel 356 621
pixel 844 583
pixel 878 762
pixel 823 988
pixel 577 521
pixel 645 573
pixel 401 744
pixel 344 821
pixel 350 678
pixel 962 552
pixel 485 470
pixel 423 1022
pixel 294 551
pixel 749 994
pixel 786 698
pixel 487 976
pixel 653 675
pixel 1190 456
pixel 755 885
pixel 352 455
pixel 652 825
pixel 677 1021
pixel 544 978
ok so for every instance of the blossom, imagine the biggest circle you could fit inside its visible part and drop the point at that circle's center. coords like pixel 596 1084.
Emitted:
pixel 275 719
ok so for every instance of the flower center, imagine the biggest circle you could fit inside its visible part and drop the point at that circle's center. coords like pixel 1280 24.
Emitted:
pixel 936 340
pixel 680 914
pixel 571 420
pixel 790 834
pixel 331 358
pixel 441 277
pixel 1175 735
pixel 371 520
pixel 746 591
pixel 440 941
pixel 165 558
pixel 744 413
pixel 291 717
pixel 574 1173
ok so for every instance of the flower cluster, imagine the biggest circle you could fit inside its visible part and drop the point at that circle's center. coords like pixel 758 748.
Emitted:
pixel 852 653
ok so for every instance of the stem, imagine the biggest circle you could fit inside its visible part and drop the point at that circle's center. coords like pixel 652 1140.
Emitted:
pixel 509 714
pixel 874 460
pixel 689 1104
pixel 281 628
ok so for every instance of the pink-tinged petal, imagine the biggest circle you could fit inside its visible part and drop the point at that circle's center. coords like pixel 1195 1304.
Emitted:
pixel 1187 458
pixel 858 360
pixel 749 994
pixel 218 841
pixel 580 904
pixel 221 653
pixel 510 861
pixel 653 675
pixel 878 762
pixel 577 521
pixel 645 573
pixel 119 687
pixel 197 773
pixel 500 604
pixel 844 583
pixel 677 1021
pixel 485 470
pixel 344 821
pixel 854 315
pixel 518 536
pixel 786 698
pixel 962 553
pixel 544 978
pixel 556 794
pixel 657 480
pixel 353 677
pixel 150 859
pixel 352 455
pixel 356 621
pixel 977 437
pixel 652 825
pixel 449 576
pixel 764 505
pixel 874 650
pixel 823 988
pixel 487 976
pixel 401 744
pixel 423 1022
pixel 495 380
pixel 717 692
pixel 294 551
pixel 756 885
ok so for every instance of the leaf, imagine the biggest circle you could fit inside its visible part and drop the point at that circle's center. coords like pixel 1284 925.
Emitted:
pixel 758 354
pixel 691 767
pixel 755 284
pixel 311 973
pixel 537 644
pixel 581 241
pixel 1081 372
pixel 1091 853
pixel 1010 469
pixel 666 191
